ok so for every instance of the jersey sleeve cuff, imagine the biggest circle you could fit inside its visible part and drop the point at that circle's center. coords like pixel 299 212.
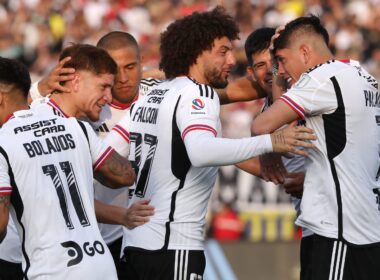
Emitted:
pixel 295 107
pixel 122 132
pixel 5 190
pixel 102 159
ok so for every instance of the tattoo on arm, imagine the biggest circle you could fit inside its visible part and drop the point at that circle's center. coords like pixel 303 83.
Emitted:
pixel 118 165
pixel 5 200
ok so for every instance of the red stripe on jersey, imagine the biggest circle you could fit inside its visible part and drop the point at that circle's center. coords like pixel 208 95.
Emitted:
pixel 122 106
pixel 123 133
pixel 53 104
pixel 198 127
pixel 107 153
pixel 10 116
pixel 296 108
pixel 5 190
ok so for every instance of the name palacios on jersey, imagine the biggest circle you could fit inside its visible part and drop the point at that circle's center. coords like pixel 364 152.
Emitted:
pixel 52 144
pixel 147 114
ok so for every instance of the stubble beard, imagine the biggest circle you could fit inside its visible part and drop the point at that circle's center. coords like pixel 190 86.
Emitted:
pixel 215 79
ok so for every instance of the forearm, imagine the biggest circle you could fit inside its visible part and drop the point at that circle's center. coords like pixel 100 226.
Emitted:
pixel 109 214
pixel 205 150
pixel 252 166
pixel 116 172
pixel 4 214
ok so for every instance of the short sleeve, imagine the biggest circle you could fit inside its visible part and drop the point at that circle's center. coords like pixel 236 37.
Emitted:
pixel 198 109
pixel 99 150
pixel 118 137
pixel 309 97
pixel 5 184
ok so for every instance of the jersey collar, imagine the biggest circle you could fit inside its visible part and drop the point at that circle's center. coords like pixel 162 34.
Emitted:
pixel 9 117
pixel 54 105
pixel 122 106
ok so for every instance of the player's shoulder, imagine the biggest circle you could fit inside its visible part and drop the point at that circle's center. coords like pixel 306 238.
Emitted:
pixel 196 89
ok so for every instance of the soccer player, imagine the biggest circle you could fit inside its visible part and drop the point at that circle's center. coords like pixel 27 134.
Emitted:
pixel 124 50
pixel 46 174
pixel 176 147
pixel 340 201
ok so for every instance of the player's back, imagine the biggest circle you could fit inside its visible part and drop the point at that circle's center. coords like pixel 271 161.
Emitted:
pixel 343 108
pixel 50 169
pixel 178 190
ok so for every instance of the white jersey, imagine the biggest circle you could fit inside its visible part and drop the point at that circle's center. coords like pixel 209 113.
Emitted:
pixel 107 124
pixel 178 121
pixel 178 190
pixel 10 247
pixel 341 190
pixel 48 162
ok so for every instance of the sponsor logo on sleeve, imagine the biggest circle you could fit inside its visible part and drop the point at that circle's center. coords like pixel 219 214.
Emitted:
pixel 198 106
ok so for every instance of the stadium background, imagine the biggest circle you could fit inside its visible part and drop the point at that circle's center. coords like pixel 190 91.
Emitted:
pixel 256 217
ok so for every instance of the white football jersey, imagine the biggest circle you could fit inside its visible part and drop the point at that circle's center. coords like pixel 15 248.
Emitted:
pixel 341 190
pixel 107 124
pixel 179 191
pixel 48 162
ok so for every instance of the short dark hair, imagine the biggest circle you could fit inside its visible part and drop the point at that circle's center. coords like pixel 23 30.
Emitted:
pixel 14 75
pixel 258 41
pixel 116 40
pixel 185 39
pixel 89 58
pixel 310 24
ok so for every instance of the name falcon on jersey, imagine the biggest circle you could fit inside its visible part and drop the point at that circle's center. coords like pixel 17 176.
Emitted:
pixel 149 114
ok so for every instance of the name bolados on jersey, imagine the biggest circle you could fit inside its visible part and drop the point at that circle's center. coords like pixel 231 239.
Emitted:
pixel 341 191
pixel 47 162
pixel 179 191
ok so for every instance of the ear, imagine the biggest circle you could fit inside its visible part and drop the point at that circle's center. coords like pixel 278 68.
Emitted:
pixel 250 72
pixel 75 82
pixel 305 53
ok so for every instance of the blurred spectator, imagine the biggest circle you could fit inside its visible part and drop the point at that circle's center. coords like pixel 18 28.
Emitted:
pixel 226 224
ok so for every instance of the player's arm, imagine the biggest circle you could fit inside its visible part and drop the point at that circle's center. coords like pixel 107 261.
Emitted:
pixel 54 81
pixel 137 214
pixel 115 172
pixel 241 89
pixel 275 117
pixel 4 214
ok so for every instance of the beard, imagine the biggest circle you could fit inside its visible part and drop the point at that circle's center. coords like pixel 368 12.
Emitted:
pixel 215 78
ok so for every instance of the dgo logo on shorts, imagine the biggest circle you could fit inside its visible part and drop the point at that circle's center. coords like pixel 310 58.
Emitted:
pixel 198 104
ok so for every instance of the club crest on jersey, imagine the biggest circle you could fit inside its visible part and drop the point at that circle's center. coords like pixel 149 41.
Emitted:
pixel 197 104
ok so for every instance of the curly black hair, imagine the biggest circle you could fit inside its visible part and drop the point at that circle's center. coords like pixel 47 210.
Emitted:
pixel 258 41
pixel 14 76
pixel 185 39
pixel 309 24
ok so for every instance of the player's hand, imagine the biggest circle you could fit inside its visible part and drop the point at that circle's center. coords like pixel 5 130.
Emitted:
pixel 52 82
pixel 275 36
pixel 291 137
pixel 138 214
pixel 272 168
pixel 293 184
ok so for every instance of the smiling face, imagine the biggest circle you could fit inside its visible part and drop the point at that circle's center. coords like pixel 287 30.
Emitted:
pixel 92 93
pixel 261 70
pixel 292 61
pixel 128 75
pixel 217 63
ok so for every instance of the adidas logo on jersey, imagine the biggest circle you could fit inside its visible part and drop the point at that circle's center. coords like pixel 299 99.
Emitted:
pixel 103 128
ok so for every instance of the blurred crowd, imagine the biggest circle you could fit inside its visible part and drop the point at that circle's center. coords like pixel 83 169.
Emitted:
pixel 35 30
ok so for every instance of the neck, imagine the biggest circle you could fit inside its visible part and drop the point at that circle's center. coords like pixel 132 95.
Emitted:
pixel 196 73
pixel 65 103
pixel 10 110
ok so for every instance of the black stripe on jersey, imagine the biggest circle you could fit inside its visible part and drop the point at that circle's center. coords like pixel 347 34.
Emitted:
pixel 180 165
pixel 150 82
pixel 204 90
pixel 58 113
pixel 335 132
pixel 200 90
pixel 19 209
pixel 83 127
pixel 319 65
